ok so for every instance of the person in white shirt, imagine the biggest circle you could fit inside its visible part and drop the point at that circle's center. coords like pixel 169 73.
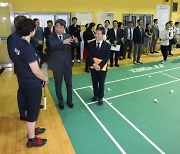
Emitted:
pixel 171 37
pixel 164 38
pixel 177 32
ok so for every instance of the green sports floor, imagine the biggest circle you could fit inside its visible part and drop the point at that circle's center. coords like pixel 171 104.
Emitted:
pixel 129 121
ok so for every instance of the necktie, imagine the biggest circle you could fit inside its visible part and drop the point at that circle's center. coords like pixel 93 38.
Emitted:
pixel 98 45
pixel 60 37
pixel 130 34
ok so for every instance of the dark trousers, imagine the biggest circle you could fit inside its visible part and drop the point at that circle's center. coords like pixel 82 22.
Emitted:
pixel 171 42
pixel 98 79
pixel 112 57
pixel 33 99
pixel 87 64
pixel 21 102
pixel 58 76
pixel 164 50
pixel 153 44
pixel 121 52
pixel 137 52
pixel 41 54
pixel 128 44
pixel 78 50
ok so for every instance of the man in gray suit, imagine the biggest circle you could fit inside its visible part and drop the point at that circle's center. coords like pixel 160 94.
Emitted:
pixel 128 39
pixel 60 62
pixel 155 36
pixel 38 40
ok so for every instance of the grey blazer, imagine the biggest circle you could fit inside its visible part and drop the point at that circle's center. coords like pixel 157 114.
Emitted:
pixel 155 31
pixel 59 54
pixel 39 36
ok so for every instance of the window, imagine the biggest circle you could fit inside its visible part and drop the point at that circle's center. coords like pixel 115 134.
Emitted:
pixel 44 17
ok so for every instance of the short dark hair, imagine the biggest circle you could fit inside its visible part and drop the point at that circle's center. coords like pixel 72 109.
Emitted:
pixel 17 19
pixel 86 25
pixel 102 29
pixel 49 21
pixel 167 23
pixel 35 19
pixel 61 22
pixel 120 24
pixel 107 21
pixel 74 18
pixel 91 25
pixel 115 21
pixel 176 23
pixel 147 25
pixel 26 26
pixel 139 20
pixel 98 25
pixel 130 22
pixel 155 20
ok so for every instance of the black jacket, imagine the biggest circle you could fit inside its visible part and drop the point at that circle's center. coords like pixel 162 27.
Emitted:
pixel 112 37
pixel 103 53
pixel 137 36
pixel 75 31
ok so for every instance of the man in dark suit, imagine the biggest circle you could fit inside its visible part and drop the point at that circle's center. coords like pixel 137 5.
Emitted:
pixel 115 37
pixel 106 26
pixel 47 31
pixel 38 40
pixel 128 39
pixel 59 60
pixel 98 54
pixel 138 36
pixel 75 30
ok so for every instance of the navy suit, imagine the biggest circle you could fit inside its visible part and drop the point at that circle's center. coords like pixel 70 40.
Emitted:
pixel 98 77
pixel 59 61
pixel 112 38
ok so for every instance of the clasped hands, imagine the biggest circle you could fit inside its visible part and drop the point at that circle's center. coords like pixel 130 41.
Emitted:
pixel 96 67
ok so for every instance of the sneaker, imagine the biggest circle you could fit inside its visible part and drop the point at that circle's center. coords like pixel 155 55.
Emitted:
pixel 39 130
pixel 162 62
pixel 78 61
pixel 36 142
pixel 134 63
pixel 72 61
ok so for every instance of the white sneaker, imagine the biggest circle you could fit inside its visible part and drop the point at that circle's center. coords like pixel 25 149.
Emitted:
pixel 72 61
pixel 162 62
pixel 78 61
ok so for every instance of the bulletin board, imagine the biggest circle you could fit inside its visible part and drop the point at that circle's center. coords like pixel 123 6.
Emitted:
pixel 83 17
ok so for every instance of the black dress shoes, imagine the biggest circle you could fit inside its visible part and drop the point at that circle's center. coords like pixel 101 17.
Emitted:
pixel 100 102
pixel 71 105
pixel 61 106
pixel 117 65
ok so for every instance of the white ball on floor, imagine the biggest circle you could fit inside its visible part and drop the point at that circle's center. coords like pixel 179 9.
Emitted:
pixel 149 76
pixel 155 100
pixel 109 89
pixel 172 91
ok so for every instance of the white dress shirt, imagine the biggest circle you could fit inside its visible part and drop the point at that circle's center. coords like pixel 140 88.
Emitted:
pixel 164 37
pixel 128 37
pixel 100 43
